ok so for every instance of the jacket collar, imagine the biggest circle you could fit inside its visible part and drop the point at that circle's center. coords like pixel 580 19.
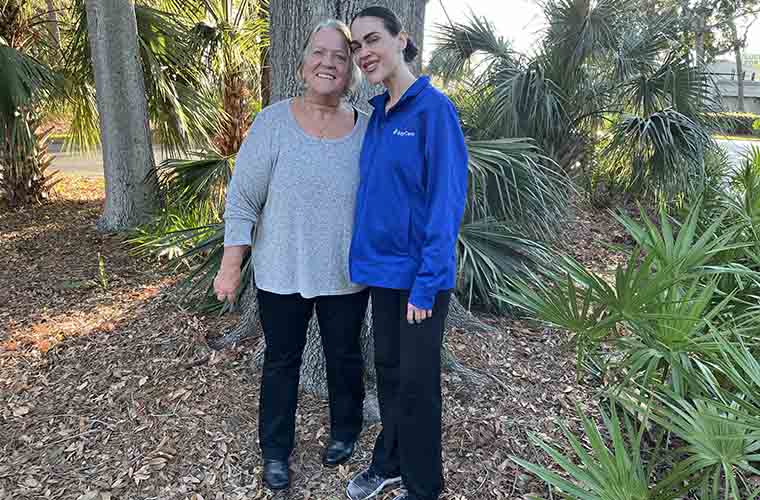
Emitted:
pixel 379 101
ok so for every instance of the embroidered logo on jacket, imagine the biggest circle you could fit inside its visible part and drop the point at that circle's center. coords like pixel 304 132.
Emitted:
pixel 404 133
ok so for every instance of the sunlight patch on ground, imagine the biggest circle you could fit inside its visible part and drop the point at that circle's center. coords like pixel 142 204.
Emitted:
pixel 46 333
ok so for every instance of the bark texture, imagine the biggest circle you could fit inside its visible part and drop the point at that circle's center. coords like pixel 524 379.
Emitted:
pixel 131 190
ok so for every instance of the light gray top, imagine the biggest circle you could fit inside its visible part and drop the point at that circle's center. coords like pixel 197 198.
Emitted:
pixel 299 192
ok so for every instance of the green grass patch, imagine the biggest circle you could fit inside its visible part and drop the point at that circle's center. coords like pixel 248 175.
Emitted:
pixel 721 137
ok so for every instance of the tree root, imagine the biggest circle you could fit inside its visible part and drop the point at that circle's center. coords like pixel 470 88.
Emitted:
pixel 450 364
pixel 462 319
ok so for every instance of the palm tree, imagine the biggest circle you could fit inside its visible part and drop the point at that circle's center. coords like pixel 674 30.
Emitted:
pixel 25 81
pixel 602 69
pixel 183 108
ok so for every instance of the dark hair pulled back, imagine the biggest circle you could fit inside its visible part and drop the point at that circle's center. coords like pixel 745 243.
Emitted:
pixel 392 24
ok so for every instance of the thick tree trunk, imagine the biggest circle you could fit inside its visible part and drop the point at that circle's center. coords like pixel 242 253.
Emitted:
pixel 131 190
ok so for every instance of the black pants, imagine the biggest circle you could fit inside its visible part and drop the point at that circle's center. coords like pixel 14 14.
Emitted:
pixel 285 319
pixel 408 365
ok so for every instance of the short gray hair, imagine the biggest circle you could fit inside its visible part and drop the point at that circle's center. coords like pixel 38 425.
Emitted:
pixel 355 75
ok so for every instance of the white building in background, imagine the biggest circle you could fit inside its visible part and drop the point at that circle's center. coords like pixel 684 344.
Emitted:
pixel 724 74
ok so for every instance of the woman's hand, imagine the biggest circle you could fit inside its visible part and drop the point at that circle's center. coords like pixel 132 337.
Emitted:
pixel 226 284
pixel 227 280
pixel 417 315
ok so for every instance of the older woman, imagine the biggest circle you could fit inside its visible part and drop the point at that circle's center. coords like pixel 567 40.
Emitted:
pixel 295 180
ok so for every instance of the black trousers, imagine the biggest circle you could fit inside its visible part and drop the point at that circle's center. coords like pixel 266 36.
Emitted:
pixel 285 319
pixel 408 366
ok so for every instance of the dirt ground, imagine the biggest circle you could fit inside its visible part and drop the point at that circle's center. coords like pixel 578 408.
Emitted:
pixel 102 395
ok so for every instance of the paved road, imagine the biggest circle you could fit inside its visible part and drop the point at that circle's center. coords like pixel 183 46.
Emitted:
pixel 737 148
pixel 92 164
pixel 85 164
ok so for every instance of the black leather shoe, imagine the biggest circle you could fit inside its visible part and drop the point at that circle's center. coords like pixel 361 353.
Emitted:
pixel 338 452
pixel 276 474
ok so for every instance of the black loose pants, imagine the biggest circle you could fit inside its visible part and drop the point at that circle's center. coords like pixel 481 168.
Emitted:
pixel 408 366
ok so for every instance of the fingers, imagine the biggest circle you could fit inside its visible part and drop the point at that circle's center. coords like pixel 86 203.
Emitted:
pixel 224 291
pixel 415 315
pixel 228 296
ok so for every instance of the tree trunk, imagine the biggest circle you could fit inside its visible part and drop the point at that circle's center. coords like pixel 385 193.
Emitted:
pixel 266 79
pixel 699 43
pixel 52 25
pixel 290 24
pixel 739 66
pixel 131 190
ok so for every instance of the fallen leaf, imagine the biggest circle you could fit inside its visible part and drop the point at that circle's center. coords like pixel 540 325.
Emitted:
pixel 21 411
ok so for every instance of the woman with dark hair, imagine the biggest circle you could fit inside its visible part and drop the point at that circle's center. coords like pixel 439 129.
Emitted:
pixel 412 191
pixel 295 181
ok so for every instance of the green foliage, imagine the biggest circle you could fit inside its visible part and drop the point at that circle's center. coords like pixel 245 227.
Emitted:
pixel 737 123
pixel 26 81
pixel 608 472
pixel 200 183
pixel 601 69
pixel 183 111
pixel 674 337
pixel 187 242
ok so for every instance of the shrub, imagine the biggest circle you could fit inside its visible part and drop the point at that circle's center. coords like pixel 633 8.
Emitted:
pixel 737 123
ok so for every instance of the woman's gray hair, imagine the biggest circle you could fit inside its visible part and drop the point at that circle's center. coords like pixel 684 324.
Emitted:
pixel 355 75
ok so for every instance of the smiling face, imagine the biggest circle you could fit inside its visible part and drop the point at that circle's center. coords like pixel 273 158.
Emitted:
pixel 377 51
pixel 326 66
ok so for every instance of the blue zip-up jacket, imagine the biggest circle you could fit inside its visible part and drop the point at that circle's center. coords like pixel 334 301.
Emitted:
pixel 411 198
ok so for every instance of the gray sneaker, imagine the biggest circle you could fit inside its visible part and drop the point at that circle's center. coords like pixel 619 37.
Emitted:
pixel 368 483
pixel 402 496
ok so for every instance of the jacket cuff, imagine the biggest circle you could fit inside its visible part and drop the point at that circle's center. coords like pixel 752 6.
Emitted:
pixel 422 299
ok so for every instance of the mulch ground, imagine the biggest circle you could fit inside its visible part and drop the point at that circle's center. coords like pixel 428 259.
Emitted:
pixel 102 397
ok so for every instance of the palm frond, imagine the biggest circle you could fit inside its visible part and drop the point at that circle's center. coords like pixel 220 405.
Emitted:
pixel 199 248
pixel 579 29
pixel 22 79
pixel 639 50
pixel 721 441
pixel 458 43
pixel 488 252
pixel 510 182
pixel 200 182
pixel 611 465
pixel 178 92
pixel 674 84
pixel 660 153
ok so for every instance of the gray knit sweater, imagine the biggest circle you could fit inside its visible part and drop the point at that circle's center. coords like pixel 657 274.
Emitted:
pixel 299 193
